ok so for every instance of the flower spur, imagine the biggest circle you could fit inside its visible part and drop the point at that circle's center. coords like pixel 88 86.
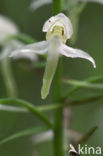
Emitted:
pixel 58 29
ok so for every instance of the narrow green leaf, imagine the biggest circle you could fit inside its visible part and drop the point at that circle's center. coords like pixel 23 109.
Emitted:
pixel 49 107
pixel 29 107
pixel 30 131
pixel 95 79
pixel 45 108
pixel 87 100
pixel 13 109
pixel 83 101
pixel 87 136
pixel 84 84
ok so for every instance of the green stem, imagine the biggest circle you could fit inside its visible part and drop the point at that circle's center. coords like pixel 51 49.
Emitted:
pixel 58 115
pixel 57 6
pixel 8 78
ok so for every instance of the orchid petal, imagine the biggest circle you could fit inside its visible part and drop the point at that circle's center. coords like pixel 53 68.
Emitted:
pixel 42 137
pixel 7 27
pixel 5 52
pixel 38 3
pixel 74 53
pixel 52 61
pixel 60 20
pixel 29 55
pixel 30 50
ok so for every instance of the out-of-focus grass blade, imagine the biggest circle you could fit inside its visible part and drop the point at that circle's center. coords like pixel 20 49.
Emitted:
pixel 45 108
pixel 87 136
pixel 13 109
pixel 27 132
pixel 29 107
pixel 87 100
pixel 84 84
pixel 95 79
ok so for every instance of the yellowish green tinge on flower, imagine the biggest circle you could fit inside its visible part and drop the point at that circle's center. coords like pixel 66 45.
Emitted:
pixel 58 29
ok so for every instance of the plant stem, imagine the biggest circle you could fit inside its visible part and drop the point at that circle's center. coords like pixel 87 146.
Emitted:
pixel 8 78
pixel 58 115
pixel 57 6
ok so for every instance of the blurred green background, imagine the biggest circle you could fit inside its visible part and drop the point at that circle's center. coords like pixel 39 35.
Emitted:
pixel 90 39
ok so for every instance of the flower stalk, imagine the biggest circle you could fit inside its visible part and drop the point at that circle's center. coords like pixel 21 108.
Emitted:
pixel 8 78
pixel 58 114
pixel 57 6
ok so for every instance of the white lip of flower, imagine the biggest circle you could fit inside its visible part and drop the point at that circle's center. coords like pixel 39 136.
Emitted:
pixel 59 29
pixel 8 28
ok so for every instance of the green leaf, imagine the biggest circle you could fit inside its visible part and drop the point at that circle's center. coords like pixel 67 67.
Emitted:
pixel 29 107
pixel 13 109
pixel 84 101
pixel 84 84
pixel 87 136
pixel 5 102
pixel 95 79
pixel 30 131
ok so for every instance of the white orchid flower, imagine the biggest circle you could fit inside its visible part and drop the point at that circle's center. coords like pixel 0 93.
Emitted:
pixel 7 29
pixel 58 29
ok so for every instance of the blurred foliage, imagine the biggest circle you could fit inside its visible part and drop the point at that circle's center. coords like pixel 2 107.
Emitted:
pixel 29 80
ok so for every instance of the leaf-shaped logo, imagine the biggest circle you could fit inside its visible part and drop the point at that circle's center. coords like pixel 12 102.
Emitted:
pixel 72 149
